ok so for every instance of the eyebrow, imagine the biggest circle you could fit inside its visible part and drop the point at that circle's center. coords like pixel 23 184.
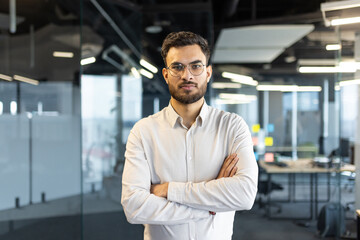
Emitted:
pixel 196 61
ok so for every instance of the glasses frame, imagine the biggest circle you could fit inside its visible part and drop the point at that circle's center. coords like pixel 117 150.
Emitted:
pixel 186 66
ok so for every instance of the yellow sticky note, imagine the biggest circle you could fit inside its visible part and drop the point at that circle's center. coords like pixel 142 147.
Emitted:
pixel 256 128
pixel 269 141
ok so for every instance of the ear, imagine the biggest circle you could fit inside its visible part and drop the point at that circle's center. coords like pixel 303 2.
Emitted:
pixel 165 75
pixel 208 73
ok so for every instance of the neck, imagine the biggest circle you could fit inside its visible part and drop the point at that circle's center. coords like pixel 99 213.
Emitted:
pixel 188 112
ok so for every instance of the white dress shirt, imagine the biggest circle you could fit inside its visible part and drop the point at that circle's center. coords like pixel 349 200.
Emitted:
pixel 161 149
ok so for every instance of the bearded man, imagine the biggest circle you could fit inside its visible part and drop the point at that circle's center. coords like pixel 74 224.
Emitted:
pixel 190 166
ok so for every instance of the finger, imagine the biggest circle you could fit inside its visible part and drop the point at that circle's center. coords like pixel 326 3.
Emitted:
pixel 233 171
pixel 230 157
pixel 231 166
pixel 228 160
pixel 225 164
pixel 224 167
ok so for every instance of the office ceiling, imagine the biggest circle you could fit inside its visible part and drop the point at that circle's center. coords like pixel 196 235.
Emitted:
pixel 280 32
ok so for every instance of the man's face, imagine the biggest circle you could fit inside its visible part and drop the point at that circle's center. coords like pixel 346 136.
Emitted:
pixel 187 88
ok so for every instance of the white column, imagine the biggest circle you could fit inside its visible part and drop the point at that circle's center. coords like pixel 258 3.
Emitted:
pixel 357 136
pixel 294 126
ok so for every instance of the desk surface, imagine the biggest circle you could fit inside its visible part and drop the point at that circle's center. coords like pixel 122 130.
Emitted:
pixel 304 165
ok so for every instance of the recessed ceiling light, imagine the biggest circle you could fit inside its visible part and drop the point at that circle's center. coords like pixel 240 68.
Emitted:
pixel 153 29
pixel 146 73
pixel 5 77
pixel 343 21
pixel 27 80
pixel 337 69
pixel 149 66
pixel 63 54
pixel 333 47
pixel 86 61
pixel 222 85
pixel 239 78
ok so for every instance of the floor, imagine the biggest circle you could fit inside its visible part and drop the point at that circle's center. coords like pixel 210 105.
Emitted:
pixel 104 219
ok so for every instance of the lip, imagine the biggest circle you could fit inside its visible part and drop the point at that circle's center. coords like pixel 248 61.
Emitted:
pixel 187 86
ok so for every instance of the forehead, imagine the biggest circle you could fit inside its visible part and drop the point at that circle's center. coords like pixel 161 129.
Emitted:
pixel 185 54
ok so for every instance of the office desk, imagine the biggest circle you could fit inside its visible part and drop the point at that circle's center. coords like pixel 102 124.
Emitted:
pixel 301 166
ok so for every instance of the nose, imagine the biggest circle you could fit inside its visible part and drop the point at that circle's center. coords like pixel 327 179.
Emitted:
pixel 186 74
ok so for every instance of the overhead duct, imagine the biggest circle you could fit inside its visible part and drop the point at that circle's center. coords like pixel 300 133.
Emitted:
pixel 117 29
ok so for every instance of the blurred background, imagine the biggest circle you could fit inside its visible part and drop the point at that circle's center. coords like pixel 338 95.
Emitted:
pixel 75 75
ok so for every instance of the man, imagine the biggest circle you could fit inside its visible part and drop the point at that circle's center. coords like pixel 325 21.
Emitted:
pixel 189 166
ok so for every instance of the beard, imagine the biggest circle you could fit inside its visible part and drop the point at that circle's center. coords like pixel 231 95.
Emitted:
pixel 188 96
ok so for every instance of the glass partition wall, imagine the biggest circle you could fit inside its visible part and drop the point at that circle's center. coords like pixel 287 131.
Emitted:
pixel 40 123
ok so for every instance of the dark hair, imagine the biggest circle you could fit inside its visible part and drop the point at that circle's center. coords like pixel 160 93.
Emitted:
pixel 182 39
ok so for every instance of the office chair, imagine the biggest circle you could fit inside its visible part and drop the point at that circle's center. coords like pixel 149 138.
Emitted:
pixel 263 191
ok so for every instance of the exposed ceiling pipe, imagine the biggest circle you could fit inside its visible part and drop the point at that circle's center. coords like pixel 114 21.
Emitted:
pixel 230 8
pixel 116 28
pixel 253 9
pixel 121 54
pixel 32 46
pixel 12 10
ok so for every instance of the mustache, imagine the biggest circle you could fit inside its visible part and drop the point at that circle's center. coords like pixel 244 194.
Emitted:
pixel 187 83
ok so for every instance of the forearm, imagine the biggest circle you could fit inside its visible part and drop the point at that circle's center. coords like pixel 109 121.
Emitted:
pixel 141 207
pixel 224 194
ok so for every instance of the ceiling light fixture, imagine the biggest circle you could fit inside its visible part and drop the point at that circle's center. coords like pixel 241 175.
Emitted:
pixel 222 85
pixel 333 47
pixel 350 65
pixel 25 79
pixel 149 66
pixel 337 69
pixel 63 54
pixel 153 29
pixel 5 77
pixel 288 88
pixel 349 82
pixel 240 78
pixel 237 96
pixel 230 101
pixel 135 72
pixel 343 21
pixel 86 61
pixel 146 73
pixel 340 12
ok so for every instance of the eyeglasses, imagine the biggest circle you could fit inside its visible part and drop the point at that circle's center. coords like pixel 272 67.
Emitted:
pixel 177 69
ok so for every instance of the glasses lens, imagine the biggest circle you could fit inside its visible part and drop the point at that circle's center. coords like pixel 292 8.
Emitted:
pixel 196 68
pixel 176 69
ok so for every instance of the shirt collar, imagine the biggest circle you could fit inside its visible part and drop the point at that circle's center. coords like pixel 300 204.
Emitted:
pixel 173 116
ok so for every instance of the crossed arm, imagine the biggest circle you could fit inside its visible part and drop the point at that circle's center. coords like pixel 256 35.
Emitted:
pixel 234 188
pixel 228 169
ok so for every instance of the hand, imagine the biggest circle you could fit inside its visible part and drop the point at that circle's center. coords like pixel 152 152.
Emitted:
pixel 228 169
pixel 160 190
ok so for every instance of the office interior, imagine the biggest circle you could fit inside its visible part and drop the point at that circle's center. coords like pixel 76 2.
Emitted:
pixel 76 75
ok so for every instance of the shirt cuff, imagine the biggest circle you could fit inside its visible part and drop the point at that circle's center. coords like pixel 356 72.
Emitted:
pixel 176 192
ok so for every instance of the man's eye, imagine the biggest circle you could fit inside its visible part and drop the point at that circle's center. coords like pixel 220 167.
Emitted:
pixel 177 68
pixel 196 66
